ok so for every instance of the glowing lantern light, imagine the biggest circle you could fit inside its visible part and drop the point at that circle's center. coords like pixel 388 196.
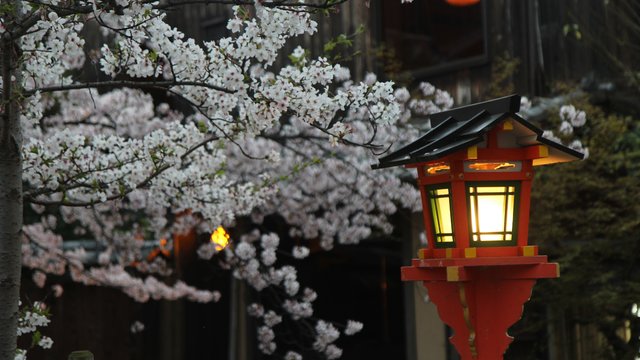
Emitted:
pixel 493 212
pixel 220 238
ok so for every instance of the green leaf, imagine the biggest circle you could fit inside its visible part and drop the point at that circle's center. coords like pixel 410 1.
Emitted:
pixel 153 56
pixel 6 9
pixel 330 46
pixel 202 127
pixel 35 338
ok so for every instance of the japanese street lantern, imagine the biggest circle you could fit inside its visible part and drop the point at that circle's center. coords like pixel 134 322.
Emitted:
pixel 475 168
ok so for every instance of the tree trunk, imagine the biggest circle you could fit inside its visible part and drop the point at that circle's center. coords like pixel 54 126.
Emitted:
pixel 10 197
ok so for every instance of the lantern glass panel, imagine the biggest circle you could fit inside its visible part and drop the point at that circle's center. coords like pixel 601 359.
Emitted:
pixel 493 212
pixel 441 215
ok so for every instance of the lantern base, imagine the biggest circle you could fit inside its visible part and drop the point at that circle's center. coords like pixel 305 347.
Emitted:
pixel 480 298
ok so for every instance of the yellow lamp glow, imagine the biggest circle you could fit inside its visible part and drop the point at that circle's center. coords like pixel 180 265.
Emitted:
pixel 441 211
pixel 492 212
pixel 220 238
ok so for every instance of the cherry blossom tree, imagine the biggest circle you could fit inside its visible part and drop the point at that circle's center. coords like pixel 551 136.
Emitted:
pixel 103 160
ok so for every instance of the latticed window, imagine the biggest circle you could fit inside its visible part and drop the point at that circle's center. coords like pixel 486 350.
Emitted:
pixel 442 215
pixel 493 212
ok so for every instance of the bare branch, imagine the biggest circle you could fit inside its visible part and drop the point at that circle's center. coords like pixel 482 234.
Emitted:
pixel 198 145
pixel 128 83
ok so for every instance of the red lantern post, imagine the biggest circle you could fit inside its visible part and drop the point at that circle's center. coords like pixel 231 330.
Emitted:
pixel 475 168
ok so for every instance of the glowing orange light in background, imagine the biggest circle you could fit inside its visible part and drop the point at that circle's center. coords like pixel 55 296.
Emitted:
pixel 163 247
pixel 160 250
pixel 462 2
pixel 220 238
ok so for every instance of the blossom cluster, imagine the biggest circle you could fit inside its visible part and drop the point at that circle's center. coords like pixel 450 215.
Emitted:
pixel 31 319
pixel 53 46
pixel 326 334
pixel 136 327
pixel 330 192
pixel 248 259
pixel 571 119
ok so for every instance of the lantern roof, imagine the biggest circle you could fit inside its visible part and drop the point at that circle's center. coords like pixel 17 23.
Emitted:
pixel 457 129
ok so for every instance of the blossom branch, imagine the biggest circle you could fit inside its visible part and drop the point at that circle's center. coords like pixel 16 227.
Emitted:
pixel 129 84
